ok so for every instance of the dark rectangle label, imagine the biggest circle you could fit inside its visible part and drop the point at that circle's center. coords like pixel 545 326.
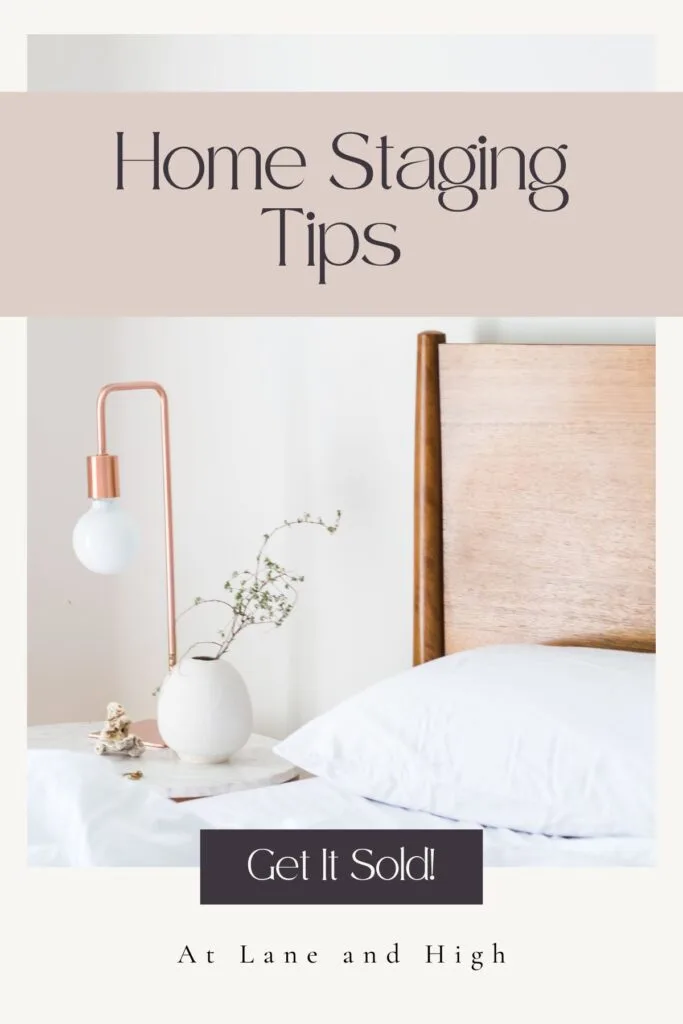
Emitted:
pixel 357 866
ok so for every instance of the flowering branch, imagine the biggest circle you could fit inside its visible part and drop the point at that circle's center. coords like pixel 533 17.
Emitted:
pixel 265 595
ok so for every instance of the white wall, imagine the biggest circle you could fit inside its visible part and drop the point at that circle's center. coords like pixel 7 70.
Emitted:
pixel 270 417
pixel 345 63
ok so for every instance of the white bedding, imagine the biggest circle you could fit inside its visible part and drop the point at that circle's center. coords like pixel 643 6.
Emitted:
pixel 81 813
pixel 316 804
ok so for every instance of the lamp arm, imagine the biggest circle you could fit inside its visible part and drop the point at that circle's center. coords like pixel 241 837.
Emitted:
pixel 105 465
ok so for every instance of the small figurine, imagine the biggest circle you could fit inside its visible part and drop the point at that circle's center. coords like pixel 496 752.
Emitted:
pixel 115 737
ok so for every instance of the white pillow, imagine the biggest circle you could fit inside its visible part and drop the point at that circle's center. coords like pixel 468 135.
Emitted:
pixel 554 740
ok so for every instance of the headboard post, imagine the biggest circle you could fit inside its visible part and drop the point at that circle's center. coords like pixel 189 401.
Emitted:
pixel 428 617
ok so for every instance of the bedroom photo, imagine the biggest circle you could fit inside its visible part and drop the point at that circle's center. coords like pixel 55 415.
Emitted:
pixel 316 573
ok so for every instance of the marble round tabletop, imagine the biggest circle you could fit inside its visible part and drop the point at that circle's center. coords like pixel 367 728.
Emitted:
pixel 253 766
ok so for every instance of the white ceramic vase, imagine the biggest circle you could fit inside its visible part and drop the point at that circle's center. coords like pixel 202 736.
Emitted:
pixel 204 712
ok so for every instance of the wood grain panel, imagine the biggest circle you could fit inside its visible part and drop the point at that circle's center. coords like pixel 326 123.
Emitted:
pixel 547 495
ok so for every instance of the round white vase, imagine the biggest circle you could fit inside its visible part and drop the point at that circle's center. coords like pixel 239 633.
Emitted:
pixel 204 712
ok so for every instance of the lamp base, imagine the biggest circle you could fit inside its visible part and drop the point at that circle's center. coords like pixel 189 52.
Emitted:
pixel 147 730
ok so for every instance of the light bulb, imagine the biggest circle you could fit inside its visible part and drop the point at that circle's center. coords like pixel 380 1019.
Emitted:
pixel 105 538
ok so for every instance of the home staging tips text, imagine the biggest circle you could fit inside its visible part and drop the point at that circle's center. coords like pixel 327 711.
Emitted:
pixel 459 178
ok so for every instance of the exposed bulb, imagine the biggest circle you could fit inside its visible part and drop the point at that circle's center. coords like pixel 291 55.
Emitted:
pixel 105 538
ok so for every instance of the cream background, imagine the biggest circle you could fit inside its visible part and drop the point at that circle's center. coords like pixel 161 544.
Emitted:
pixel 334 397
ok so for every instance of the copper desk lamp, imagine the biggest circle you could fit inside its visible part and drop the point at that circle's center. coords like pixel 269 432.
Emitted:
pixel 105 538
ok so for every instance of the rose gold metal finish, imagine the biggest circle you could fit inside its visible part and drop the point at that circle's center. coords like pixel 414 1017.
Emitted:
pixel 103 476
pixel 104 460
pixel 148 731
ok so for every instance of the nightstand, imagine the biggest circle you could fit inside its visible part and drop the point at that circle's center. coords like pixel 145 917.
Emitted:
pixel 253 766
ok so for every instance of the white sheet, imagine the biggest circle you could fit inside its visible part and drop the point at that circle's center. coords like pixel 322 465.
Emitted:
pixel 315 804
pixel 81 813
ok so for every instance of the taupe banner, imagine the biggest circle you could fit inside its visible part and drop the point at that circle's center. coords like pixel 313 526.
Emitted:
pixel 314 204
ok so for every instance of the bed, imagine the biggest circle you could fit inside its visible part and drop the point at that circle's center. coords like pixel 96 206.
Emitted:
pixel 533 525
pixel 103 822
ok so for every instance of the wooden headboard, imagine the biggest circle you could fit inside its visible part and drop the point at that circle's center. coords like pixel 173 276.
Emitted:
pixel 534 496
